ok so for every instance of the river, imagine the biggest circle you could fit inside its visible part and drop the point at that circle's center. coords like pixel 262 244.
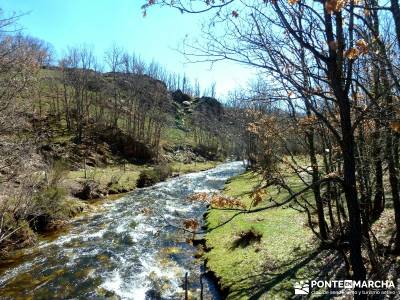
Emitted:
pixel 129 249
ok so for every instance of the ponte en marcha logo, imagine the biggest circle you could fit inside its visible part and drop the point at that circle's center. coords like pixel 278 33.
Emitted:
pixel 376 287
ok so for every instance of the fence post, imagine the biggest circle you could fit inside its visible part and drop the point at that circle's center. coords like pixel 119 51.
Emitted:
pixel 84 166
pixel 201 286
pixel 186 286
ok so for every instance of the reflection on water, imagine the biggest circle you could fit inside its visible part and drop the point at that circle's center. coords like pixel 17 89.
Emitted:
pixel 128 250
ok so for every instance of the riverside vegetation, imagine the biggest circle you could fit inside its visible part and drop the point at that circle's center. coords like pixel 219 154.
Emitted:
pixel 323 131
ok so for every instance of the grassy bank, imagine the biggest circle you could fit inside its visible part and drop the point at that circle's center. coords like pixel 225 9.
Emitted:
pixel 123 178
pixel 183 168
pixel 56 203
pixel 278 251
pixel 119 177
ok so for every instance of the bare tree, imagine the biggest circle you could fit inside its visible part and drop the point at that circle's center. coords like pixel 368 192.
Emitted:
pixel 316 60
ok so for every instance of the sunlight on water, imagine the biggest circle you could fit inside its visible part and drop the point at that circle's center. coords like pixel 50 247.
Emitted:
pixel 128 250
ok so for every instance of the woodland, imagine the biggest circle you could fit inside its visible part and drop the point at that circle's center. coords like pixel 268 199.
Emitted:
pixel 327 92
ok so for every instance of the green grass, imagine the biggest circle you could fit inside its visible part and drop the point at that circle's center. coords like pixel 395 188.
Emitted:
pixel 265 269
pixel 193 167
pixel 120 177
pixel 125 179
pixel 176 136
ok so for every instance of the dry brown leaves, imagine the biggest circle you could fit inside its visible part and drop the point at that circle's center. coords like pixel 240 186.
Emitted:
pixel 361 48
pixel 258 196
pixel 308 121
pixel 293 2
pixel 217 200
pixel 220 201
pixel 351 53
pixel 198 197
pixel 333 6
pixel 395 126
pixel 191 224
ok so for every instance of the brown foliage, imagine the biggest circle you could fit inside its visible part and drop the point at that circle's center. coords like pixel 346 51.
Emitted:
pixel 257 196
pixel 395 126
pixel 220 201
pixel 217 200
pixel 191 224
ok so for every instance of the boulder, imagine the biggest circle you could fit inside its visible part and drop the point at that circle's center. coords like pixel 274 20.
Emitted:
pixel 209 105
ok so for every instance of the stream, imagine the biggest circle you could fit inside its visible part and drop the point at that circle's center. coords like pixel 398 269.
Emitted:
pixel 129 249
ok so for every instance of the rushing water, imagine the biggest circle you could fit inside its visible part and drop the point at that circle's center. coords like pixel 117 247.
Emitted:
pixel 128 250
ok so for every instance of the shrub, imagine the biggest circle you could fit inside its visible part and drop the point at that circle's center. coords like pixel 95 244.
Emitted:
pixel 210 152
pixel 152 176
pixel 90 190
pixel 124 145
pixel 147 178
pixel 114 180
pixel 164 171
pixel 46 207
pixel 37 202
pixel 46 202
pixel 57 172
pixel 14 233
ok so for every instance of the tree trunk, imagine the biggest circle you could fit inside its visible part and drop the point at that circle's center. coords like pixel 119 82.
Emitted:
pixel 395 8
pixel 350 190
pixel 379 197
pixel 316 188
pixel 394 184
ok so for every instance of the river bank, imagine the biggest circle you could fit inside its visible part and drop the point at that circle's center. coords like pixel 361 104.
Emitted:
pixel 259 255
pixel 262 255
pixel 120 179
pixel 130 249
pixel 81 190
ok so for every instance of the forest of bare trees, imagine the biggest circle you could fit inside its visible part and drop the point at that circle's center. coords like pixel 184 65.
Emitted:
pixel 57 110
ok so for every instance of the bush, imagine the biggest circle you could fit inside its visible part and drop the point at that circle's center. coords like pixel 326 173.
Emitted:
pixel 14 233
pixel 164 171
pixel 147 178
pixel 46 207
pixel 35 205
pixel 90 190
pixel 57 172
pixel 46 203
pixel 210 152
pixel 152 176
pixel 124 145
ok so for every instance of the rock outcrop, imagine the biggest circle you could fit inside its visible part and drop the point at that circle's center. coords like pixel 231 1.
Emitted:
pixel 209 106
pixel 180 97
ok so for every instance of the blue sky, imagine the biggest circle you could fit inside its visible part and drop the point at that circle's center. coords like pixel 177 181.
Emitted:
pixel 100 23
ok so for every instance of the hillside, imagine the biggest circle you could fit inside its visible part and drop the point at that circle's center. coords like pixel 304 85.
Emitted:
pixel 86 135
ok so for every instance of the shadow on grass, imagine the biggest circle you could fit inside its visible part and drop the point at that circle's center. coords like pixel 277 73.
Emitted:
pixel 246 238
pixel 281 281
